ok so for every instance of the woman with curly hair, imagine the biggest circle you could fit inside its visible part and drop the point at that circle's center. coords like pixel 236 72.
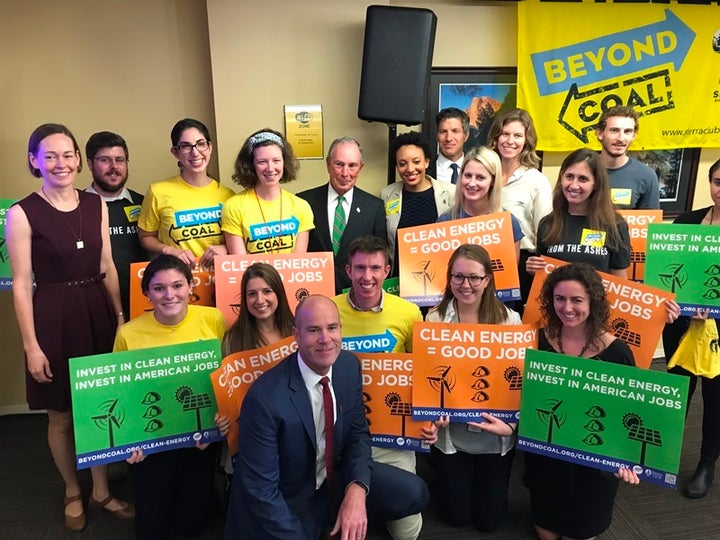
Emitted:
pixel 569 500
pixel 584 226
pixel 265 218
pixel 474 459
pixel 417 199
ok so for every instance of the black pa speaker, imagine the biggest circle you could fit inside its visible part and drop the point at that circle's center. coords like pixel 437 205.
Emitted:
pixel 397 57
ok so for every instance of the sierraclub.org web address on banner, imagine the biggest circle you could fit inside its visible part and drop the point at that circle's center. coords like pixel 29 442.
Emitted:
pixel 690 131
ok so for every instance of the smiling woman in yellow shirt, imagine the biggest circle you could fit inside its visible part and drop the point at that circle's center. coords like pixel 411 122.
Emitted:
pixel 173 490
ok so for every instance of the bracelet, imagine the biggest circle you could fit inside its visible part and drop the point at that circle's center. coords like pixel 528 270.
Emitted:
pixel 120 314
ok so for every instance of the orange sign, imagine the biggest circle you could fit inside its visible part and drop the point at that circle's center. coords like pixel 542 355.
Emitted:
pixel 203 289
pixel 424 252
pixel 235 375
pixel 303 274
pixel 637 311
pixel 387 393
pixel 462 370
pixel 638 221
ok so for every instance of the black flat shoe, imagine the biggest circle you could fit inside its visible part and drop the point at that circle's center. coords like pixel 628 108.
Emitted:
pixel 701 481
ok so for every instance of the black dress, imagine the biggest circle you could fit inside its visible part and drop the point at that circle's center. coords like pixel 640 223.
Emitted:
pixel 73 313
pixel 566 498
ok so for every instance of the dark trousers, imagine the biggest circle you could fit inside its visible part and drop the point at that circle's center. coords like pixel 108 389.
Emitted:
pixel 395 493
pixel 173 493
pixel 710 446
pixel 525 280
pixel 472 488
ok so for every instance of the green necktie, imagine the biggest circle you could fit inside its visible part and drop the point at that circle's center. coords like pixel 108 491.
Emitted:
pixel 338 224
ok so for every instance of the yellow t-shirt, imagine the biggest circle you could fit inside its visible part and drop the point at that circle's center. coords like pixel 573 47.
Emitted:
pixel 200 323
pixel 388 330
pixel 267 226
pixel 185 216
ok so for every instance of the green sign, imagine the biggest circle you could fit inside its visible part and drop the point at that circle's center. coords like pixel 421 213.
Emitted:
pixel 685 260
pixel 5 271
pixel 153 399
pixel 603 415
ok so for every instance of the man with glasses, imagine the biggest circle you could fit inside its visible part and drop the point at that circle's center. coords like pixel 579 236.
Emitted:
pixel 107 156
pixel 375 321
pixel 341 210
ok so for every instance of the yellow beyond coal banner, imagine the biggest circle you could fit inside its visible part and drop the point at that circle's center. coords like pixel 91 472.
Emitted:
pixel 576 60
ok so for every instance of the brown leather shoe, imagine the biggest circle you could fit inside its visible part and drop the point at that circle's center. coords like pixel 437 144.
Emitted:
pixel 125 512
pixel 74 523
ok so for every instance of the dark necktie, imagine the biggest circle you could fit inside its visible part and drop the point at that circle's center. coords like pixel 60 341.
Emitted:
pixel 338 224
pixel 454 176
pixel 329 412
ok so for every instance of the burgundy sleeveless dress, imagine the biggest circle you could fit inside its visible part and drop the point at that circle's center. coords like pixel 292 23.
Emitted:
pixel 73 313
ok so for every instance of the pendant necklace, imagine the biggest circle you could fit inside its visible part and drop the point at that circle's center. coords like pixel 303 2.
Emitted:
pixel 79 244
pixel 275 249
pixel 582 351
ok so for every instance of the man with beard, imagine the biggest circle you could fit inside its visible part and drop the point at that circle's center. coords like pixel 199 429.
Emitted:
pixel 633 185
pixel 107 157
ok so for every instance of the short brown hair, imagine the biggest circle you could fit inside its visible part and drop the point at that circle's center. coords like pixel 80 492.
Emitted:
pixel 618 110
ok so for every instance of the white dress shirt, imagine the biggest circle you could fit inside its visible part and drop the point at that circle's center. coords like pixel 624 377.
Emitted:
pixel 332 204
pixel 315 392
pixel 443 170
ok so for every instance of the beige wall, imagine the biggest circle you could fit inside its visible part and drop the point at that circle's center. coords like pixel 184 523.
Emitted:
pixel 134 67
pixel 137 66
pixel 314 55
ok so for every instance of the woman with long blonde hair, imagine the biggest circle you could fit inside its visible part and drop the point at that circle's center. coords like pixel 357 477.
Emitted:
pixel 479 190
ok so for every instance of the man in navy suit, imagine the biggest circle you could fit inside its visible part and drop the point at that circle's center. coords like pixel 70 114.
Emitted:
pixel 279 488
pixel 364 213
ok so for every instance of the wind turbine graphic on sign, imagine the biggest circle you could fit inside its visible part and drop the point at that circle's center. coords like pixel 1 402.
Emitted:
pixel 109 419
pixel 425 274
pixel 674 277
pixel 441 382
pixel 551 417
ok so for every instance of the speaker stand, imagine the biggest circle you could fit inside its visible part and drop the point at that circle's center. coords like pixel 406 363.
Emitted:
pixel 392 133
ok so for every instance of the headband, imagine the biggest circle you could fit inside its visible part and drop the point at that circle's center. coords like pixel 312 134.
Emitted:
pixel 264 136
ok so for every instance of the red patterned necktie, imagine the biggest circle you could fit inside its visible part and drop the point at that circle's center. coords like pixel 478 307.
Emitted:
pixel 329 412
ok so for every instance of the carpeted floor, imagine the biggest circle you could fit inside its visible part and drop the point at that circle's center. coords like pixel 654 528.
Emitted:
pixel 31 496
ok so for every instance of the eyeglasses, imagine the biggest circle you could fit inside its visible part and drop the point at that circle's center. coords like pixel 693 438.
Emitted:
pixel 187 148
pixel 473 280
pixel 352 167
pixel 108 160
